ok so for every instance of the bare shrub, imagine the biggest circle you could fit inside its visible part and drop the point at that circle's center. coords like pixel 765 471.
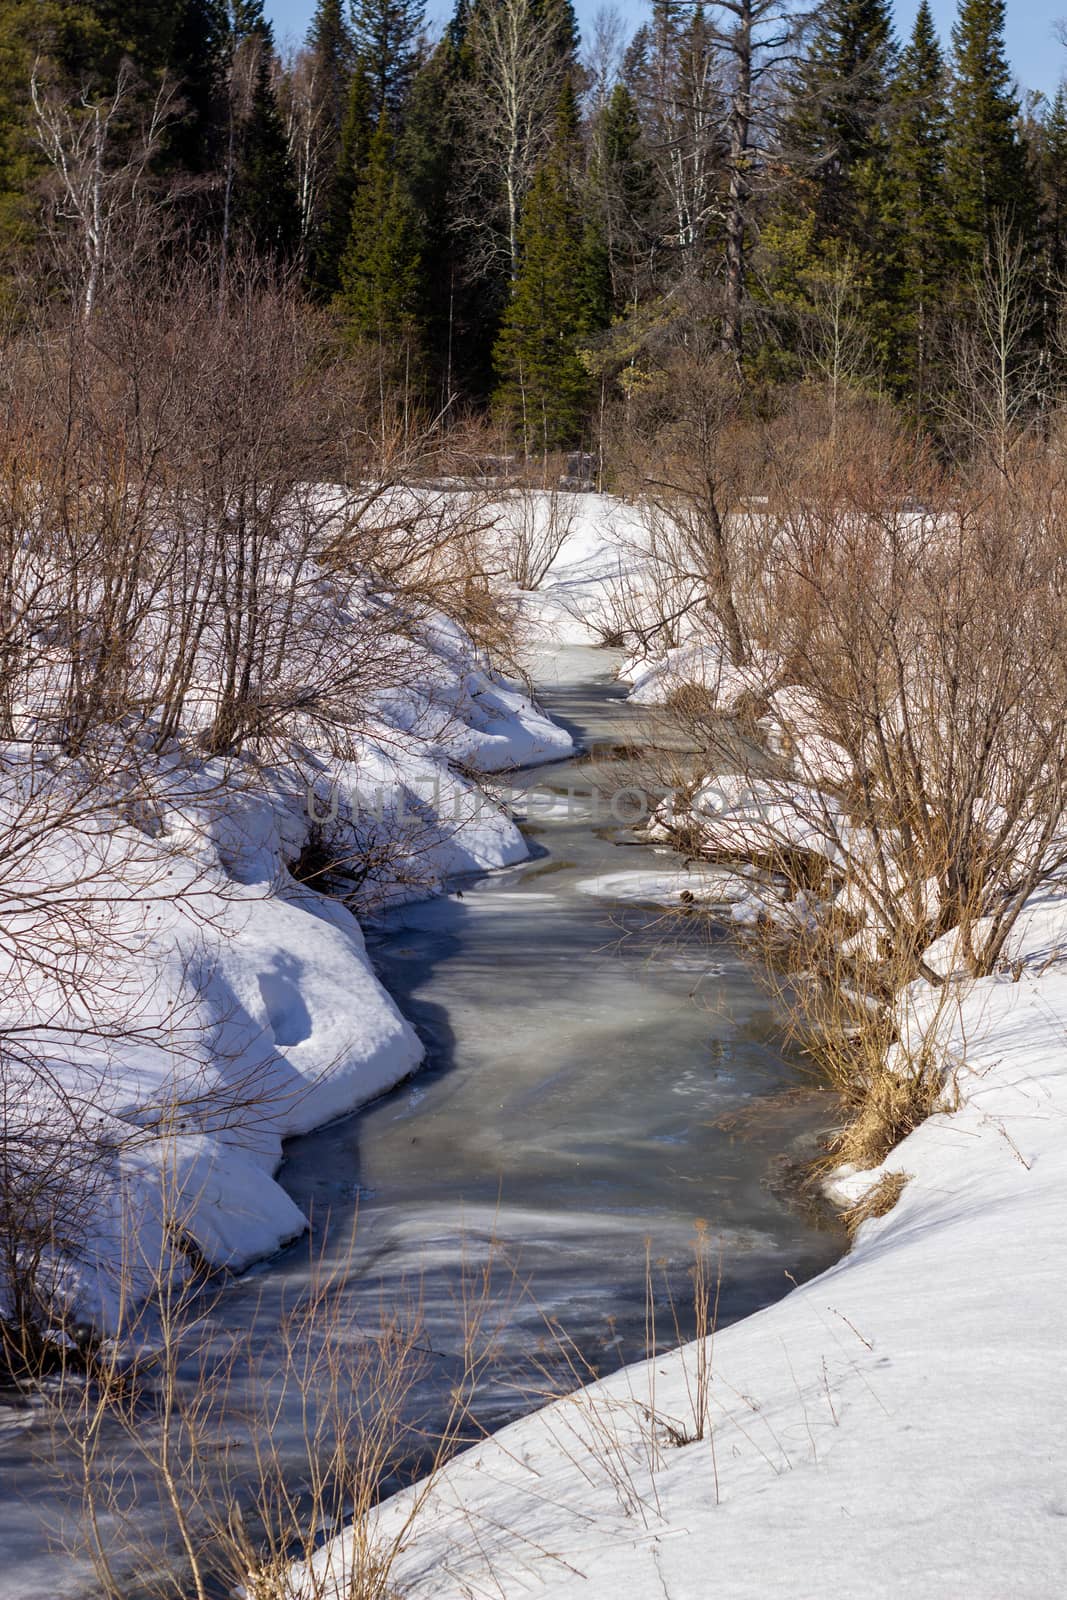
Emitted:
pixel 687 453
pixel 997 373
pixel 182 605
pixel 535 525
pixel 915 787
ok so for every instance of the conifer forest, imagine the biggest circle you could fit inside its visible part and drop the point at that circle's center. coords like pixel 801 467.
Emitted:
pixel 523 224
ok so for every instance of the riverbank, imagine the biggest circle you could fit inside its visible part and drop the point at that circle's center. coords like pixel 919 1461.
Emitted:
pixel 917 1385
pixel 891 1427
pixel 213 1004
pixel 574 1113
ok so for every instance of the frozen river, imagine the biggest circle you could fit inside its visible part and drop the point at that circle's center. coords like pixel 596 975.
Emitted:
pixel 600 1083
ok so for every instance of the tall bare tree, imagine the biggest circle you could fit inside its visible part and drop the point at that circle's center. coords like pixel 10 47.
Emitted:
pixel 507 104
pixel 103 198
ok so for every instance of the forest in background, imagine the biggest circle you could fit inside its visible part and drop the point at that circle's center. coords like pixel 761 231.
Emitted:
pixel 523 225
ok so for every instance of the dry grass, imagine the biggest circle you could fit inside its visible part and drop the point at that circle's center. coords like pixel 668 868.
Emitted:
pixel 210 1460
pixel 878 1201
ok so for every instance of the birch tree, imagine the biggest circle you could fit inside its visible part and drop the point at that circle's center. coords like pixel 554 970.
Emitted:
pixel 507 105
pixel 102 193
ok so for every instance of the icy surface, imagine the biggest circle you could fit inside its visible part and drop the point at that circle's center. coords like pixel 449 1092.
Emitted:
pixel 258 1015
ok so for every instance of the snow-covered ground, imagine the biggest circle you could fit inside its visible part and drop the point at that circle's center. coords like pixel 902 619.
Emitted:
pixel 695 884
pixel 892 1428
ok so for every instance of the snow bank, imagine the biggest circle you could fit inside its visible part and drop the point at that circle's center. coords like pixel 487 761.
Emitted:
pixel 893 1427
pixel 596 575
pixel 700 663
pixel 245 1007
pixel 705 886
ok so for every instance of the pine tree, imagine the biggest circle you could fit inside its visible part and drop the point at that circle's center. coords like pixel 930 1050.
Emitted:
pixel 557 298
pixel 380 281
pixel 918 139
pixel 386 34
pixel 988 178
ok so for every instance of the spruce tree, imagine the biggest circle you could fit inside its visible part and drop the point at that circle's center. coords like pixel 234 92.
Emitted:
pixel 557 298
pixel 357 130
pixel 140 29
pixel 833 226
pixel 1054 188
pixel 264 201
pixel 379 295
pixel 343 134
pixel 27 31
pixel 333 49
pixel 77 46
pixel 197 61
pixel 622 191
pixel 458 334
pixel 837 129
pixel 919 132
pixel 988 178
pixel 386 35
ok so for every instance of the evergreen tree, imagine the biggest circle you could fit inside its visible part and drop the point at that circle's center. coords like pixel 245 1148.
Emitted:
pixel 622 189
pixel 331 156
pixel 264 201
pixel 563 27
pixel 353 148
pixel 830 234
pixel 28 29
pixel 386 35
pixel 333 50
pixel 143 30
pixel 1054 188
pixel 458 333
pixel 837 130
pixel 988 178
pixel 379 294
pixel 918 138
pixel 77 46
pixel 197 61
pixel 557 299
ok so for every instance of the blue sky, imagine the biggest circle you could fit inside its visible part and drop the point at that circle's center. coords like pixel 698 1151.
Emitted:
pixel 1037 56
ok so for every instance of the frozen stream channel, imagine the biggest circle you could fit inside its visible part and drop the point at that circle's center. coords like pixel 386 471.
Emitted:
pixel 586 1062
pixel 581 1052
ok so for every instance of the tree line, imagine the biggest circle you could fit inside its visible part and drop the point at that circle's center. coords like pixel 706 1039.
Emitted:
pixel 517 222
